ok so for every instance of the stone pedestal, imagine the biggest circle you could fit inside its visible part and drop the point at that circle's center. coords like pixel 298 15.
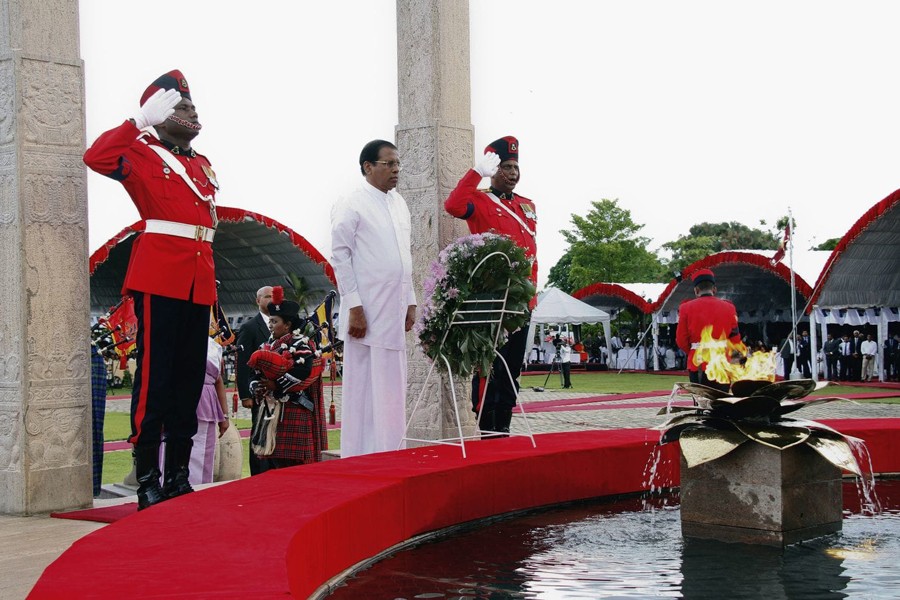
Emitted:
pixel 434 137
pixel 45 393
pixel 759 495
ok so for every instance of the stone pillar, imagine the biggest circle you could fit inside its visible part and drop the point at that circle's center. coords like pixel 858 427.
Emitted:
pixel 435 138
pixel 45 399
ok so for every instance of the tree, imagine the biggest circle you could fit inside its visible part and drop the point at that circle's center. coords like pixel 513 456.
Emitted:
pixel 559 274
pixel 299 292
pixel 708 238
pixel 829 244
pixel 604 246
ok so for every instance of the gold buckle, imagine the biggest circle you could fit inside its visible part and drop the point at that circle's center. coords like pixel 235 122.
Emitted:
pixel 198 233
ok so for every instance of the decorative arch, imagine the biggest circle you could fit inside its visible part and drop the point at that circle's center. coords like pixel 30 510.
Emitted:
pixel 864 268
pixel 251 250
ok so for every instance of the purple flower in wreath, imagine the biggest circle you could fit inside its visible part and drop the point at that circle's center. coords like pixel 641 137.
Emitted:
pixel 438 271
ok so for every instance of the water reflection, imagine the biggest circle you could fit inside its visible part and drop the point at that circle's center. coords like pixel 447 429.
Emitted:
pixel 714 569
pixel 620 551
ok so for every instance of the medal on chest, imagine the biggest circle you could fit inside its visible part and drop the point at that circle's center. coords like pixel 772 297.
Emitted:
pixel 528 210
pixel 211 175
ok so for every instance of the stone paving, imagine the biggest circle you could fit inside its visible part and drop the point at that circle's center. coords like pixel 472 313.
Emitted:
pixel 606 414
pixel 622 416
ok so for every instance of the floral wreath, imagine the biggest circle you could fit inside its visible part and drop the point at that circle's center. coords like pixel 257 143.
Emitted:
pixel 450 283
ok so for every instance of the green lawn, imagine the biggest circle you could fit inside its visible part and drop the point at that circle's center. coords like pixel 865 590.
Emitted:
pixel 117 464
pixel 117 426
pixel 606 382
pixel 119 391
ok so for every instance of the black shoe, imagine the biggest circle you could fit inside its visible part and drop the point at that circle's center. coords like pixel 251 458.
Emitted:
pixel 487 420
pixel 503 419
pixel 146 467
pixel 178 458
pixel 150 494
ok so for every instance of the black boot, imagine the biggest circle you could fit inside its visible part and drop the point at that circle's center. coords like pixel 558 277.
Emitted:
pixel 146 468
pixel 503 418
pixel 178 459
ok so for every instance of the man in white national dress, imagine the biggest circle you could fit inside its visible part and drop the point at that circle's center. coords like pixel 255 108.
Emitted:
pixel 372 261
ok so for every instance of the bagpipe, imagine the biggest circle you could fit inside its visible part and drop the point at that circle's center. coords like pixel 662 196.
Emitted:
pixel 115 332
pixel 317 326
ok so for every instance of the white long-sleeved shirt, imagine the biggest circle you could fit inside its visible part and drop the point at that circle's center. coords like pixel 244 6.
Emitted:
pixel 869 348
pixel 372 261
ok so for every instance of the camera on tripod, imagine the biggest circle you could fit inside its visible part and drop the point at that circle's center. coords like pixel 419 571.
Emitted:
pixel 557 344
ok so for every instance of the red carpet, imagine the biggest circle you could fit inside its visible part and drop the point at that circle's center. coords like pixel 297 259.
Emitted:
pixel 285 533
pixel 107 514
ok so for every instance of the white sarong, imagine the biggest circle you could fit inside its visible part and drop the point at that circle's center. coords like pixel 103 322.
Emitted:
pixel 373 405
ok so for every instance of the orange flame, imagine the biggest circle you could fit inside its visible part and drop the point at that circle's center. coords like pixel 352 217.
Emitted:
pixel 724 360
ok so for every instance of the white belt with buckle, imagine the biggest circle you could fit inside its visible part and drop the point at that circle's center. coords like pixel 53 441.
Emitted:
pixel 191 232
pixel 712 344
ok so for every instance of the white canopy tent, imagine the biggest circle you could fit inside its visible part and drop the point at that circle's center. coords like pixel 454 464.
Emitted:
pixel 557 307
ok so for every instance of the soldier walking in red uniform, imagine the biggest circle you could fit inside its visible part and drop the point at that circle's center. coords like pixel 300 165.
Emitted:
pixel 498 209
pixel 706 311
pixel 170 274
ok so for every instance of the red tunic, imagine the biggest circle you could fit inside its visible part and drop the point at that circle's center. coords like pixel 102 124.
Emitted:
pixel 483 215
pixel 160 264
pixel 698 313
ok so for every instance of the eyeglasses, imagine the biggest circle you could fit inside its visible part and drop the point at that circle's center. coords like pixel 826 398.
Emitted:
pixel 390 164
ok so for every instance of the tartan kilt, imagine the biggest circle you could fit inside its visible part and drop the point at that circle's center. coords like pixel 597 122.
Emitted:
pixel 301 435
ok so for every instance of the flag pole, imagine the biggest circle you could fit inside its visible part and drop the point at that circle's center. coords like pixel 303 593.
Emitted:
pixel 795 372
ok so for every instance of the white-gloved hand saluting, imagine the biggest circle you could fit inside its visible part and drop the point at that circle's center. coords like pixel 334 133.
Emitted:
pixel 157 108
pixel 487 165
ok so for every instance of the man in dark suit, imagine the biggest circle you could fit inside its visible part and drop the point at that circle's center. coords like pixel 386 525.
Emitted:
pixel 253 333
pixel 787 356
pixel 832 349
pixel 846 358
pixel 856 354
pixel 891 357
pixel 804 355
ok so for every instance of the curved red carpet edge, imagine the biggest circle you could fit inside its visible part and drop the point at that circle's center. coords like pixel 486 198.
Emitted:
pixel 105 514
pixel 285 533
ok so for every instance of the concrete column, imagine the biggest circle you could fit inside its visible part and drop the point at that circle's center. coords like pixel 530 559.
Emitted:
pixel 435 138
pixel 45 408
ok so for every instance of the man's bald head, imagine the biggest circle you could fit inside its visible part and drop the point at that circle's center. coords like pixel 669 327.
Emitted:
pixel 263 298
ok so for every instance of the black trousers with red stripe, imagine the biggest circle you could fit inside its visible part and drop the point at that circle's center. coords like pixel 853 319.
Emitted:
pixel 171 366
pixel 500 391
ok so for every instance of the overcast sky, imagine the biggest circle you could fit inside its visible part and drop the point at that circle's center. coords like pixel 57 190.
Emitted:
pixel 684 111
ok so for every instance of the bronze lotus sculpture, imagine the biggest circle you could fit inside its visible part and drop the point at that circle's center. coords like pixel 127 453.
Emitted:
pixel 755 411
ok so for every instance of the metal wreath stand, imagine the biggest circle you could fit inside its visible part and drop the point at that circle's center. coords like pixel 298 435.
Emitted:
pixel 474 312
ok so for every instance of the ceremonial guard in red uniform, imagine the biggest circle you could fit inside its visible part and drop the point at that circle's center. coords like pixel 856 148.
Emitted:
pixel 498 209
pixel 703 311
pixel 170 274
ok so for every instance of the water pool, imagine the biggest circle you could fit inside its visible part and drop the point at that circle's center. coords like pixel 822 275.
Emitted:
pixel 621 550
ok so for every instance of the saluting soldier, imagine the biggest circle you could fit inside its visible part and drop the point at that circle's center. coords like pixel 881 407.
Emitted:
pixel 170 274
pixel 498 209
